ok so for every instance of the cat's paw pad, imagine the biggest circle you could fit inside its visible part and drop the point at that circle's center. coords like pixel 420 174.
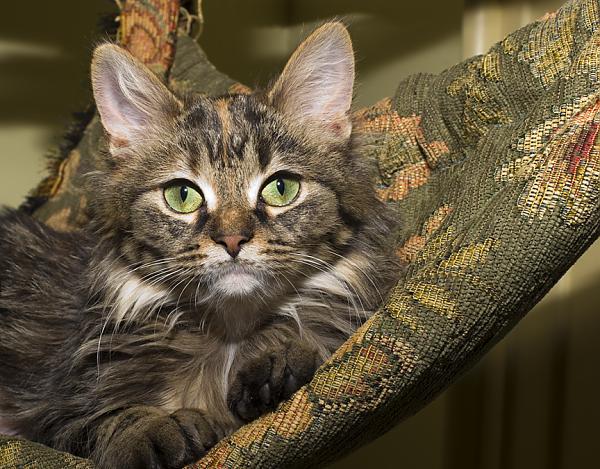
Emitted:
pixel 163 441
pixel 262 383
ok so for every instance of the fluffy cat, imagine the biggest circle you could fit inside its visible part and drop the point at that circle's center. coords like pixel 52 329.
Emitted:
pixel 235 243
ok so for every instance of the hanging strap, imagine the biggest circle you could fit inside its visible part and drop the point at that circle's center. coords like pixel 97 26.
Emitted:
pixel 149 31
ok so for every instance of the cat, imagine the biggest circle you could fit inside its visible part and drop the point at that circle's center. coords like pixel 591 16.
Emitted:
pixel 234 243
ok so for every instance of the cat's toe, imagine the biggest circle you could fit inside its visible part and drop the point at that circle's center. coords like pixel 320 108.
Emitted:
pixel 162 442
pixel 155 443
pixel 200 432
pixel 244 407
pixel 256 387
pixel 168 443
pixel 290 386
pixel 265 394
pixel 301 363
pixel 271 378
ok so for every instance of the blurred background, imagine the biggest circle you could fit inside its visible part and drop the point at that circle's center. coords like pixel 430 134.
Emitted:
pixel 533 401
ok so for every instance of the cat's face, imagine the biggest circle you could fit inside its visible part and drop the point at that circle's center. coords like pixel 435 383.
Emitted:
pixel 239 198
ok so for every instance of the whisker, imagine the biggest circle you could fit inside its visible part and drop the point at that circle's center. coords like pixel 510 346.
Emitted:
pixel 329 268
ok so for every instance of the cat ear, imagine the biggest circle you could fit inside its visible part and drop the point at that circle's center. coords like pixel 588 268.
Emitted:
pixel 129 97
pixel 317 82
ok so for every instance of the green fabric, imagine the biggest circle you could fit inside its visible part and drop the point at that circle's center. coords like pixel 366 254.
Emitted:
pixel 21 454
pixel 495 165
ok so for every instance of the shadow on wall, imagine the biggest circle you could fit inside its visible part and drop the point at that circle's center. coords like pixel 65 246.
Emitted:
pixel 45 51
pixel 392 39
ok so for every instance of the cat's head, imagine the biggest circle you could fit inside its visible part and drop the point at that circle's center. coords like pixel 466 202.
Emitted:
pixel 236 199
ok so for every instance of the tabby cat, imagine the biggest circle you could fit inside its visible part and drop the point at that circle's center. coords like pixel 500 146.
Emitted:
pixel 234 244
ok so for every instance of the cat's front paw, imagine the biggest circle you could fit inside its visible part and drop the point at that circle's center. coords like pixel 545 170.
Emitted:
pixel 262 383
pixel 157 441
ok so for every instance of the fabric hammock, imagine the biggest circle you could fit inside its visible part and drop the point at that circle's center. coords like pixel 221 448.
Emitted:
pixel 495 165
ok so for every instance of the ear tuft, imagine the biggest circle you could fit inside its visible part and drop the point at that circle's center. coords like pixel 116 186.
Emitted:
pixel 317 83
pixel 129 97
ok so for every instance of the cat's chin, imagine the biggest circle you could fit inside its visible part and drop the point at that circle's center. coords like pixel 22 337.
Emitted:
pixel 237 284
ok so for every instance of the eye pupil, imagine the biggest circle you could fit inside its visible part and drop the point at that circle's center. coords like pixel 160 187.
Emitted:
pixel 280 186
pixel 183 193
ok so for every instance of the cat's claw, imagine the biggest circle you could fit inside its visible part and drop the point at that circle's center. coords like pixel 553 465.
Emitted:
pixel 260 385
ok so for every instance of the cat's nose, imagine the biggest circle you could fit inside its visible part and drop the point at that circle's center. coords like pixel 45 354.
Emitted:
pixel 232 243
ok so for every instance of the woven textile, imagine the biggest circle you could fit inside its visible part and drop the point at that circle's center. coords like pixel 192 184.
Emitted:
pixel 149 31
pixel 495 166
pixel 19 454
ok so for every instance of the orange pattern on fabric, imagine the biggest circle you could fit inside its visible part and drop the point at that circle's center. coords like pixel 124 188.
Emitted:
pixel 238 88
pixel 405 157
pixel 148 31
pixel 410 249
pixel 348 378
pixel 405 180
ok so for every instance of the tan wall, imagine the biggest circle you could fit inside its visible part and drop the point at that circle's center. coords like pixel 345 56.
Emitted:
pixel 530 403
pixel 44 57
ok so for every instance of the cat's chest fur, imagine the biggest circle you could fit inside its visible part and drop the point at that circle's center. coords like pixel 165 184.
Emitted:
pixel 195 365
pixel 205 382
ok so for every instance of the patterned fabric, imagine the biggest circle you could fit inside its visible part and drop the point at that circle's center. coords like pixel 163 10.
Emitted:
pixel 494 165
pixel 149 31
pixel 21 454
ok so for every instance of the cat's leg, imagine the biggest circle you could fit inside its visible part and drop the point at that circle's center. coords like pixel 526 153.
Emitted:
pixel 148 437
pixel 260 384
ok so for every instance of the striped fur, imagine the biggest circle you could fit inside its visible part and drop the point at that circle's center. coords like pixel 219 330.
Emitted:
pixel 143 309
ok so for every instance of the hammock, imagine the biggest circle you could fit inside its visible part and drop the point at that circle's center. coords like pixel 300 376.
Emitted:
pixel 495 166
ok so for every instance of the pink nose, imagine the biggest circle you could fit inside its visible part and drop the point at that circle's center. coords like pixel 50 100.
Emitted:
pixel 232 244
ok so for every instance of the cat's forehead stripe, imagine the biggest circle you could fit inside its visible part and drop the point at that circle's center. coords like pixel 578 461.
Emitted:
pixel 255 119
pixel 250 124
pixel 239 130
pixel 228 131
pixel 203 120
pixel 223 114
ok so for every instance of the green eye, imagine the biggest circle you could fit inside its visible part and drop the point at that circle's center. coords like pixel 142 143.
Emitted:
pixel 183 198
pixel 281 191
